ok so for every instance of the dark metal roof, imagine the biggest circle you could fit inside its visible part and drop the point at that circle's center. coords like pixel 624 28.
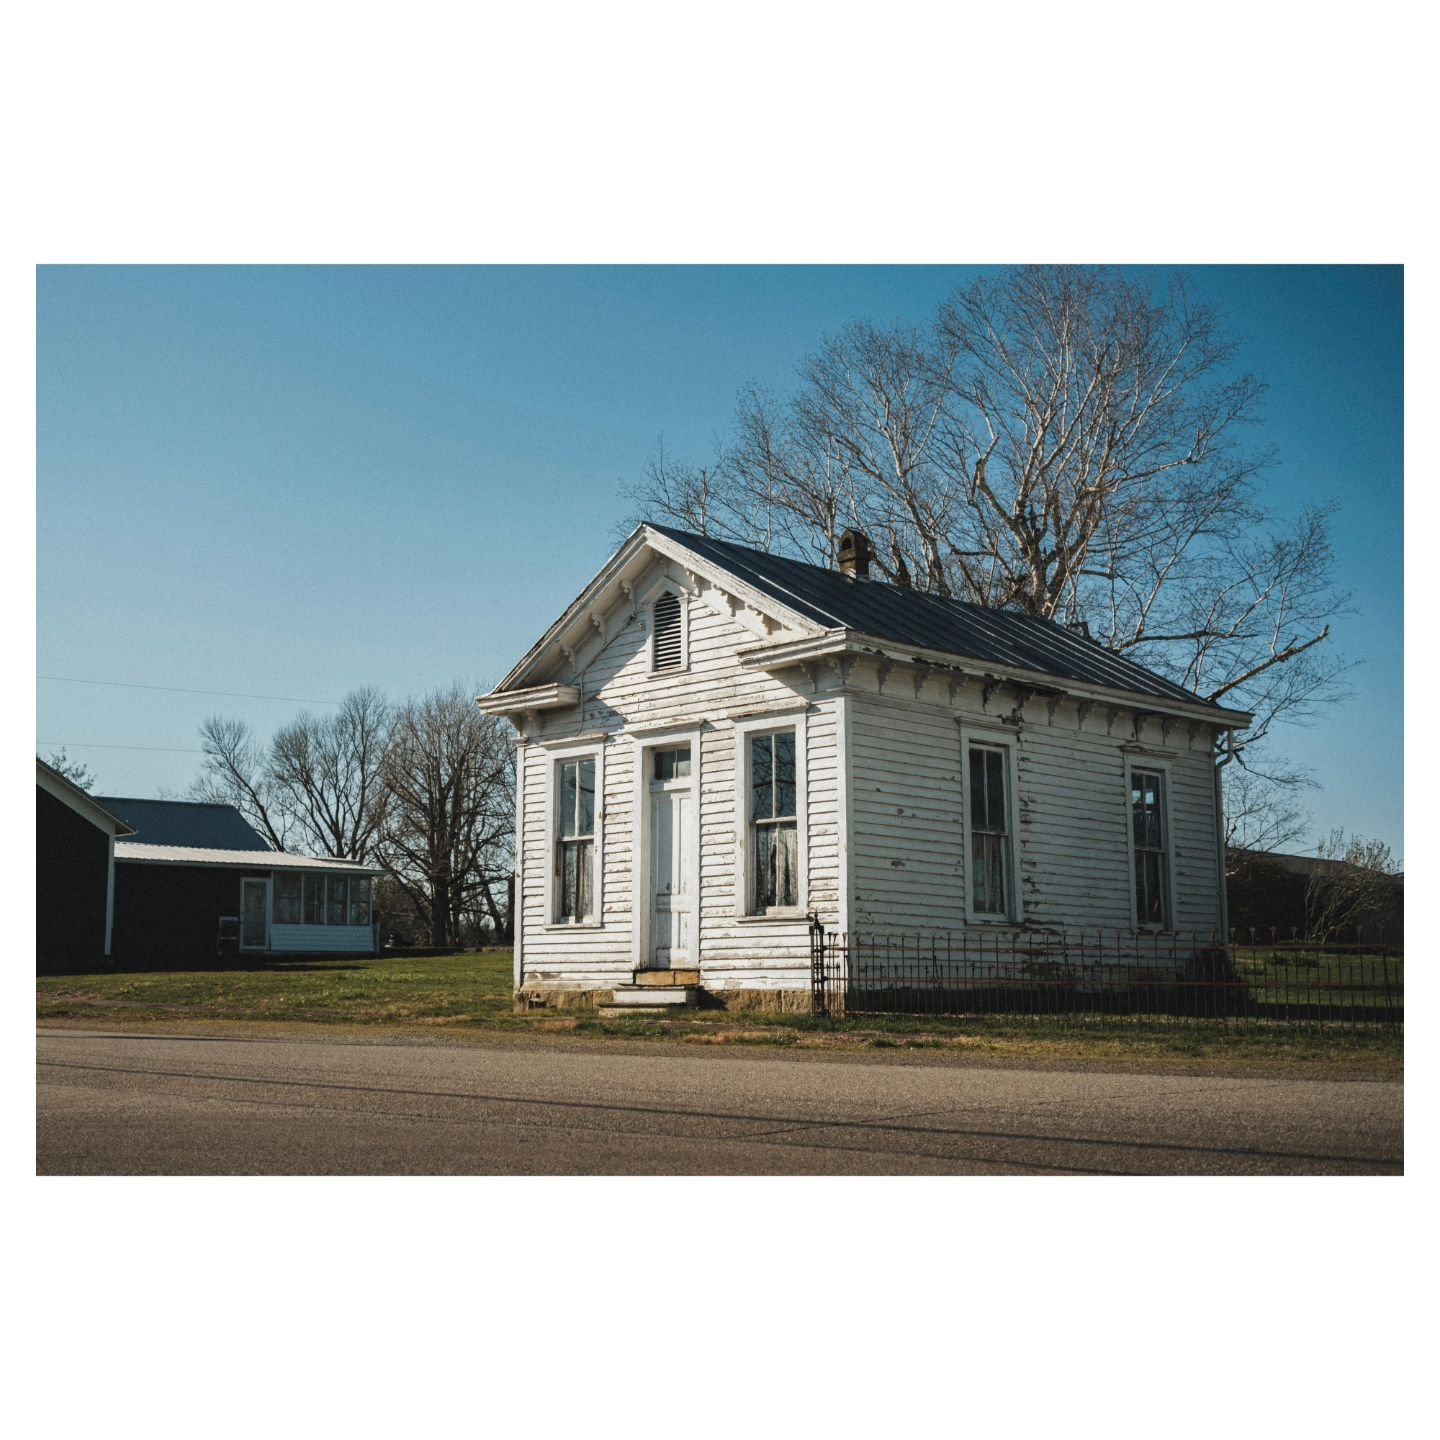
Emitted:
pixel 931 622
pixel 185 822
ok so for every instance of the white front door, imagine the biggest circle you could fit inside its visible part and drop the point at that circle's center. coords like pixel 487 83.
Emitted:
pixel 670 801
pixel 254 914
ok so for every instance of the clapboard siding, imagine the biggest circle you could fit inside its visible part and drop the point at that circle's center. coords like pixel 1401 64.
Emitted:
pixel 885 795
pixel 620 695
pixel 1072 811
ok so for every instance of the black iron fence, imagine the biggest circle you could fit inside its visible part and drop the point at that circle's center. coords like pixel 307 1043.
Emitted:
pixel 1107 975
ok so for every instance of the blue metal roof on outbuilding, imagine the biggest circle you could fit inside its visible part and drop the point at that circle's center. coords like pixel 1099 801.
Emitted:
pixel 931 622
pixel 185 822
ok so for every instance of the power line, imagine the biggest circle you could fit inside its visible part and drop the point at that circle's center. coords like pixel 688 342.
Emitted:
pixel 96 745
pixel 178 690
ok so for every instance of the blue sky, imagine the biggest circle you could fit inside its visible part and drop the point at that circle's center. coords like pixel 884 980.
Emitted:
pixel 291 481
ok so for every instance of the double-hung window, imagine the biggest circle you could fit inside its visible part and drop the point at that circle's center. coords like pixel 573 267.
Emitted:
pixel 773 822
pixel 575 841
pixel 991 881
pixel 1147 820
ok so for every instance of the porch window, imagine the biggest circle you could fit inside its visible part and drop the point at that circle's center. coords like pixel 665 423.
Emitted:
pixel 575 840
pixel 1147 818
pixel 774 835
pixel 336 907
pixel 287 899
pixel 359 899
pixel 314 899
pixel 991 883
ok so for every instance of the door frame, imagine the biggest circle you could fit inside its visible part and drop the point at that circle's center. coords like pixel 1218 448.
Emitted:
pixel 642 900
pixel 269 922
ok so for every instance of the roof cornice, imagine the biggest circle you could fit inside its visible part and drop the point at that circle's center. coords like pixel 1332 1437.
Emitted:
pixel 833 643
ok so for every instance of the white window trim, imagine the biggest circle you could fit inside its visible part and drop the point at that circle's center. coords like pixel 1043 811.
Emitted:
pixel 744 868
pixel 1135 762
pixel 555 756
pixel 640 909
pixel 1004 741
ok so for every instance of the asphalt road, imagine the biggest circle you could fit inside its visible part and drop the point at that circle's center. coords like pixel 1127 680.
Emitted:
pixel 137 1104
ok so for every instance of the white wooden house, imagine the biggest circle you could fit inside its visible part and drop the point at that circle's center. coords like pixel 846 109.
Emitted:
pixel 715 743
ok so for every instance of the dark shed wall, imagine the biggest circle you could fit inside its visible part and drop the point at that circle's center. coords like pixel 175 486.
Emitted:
pixel 72 862
pixel 170 914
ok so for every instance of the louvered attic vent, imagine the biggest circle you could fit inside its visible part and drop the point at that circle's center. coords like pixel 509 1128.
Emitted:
pixel 667 652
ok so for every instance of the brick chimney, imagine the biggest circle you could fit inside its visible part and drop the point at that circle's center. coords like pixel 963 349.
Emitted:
pixel 855 554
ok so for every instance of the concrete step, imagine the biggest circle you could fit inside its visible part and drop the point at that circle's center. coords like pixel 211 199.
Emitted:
pixel 667 977
pixel 671 996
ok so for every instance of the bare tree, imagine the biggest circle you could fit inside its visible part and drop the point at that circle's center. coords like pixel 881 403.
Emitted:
pixel 447 838
pixel 1063 442
pixel 1262 815
pixel 326 774
pixel 72 770
pixel 1353 882
pixel 236 771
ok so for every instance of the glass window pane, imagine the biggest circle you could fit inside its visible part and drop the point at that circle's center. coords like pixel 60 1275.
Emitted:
pixel 314 899
pixel 762 798
pixel 567 798
pixel 359 900
pixel 787 886
pixel 672 764
pixel 585 801
pixel 287 899
pixel 569 882
pixel 987 874
pixel 587 881
pixel 978 814
pixel 784 773
pixel 336 900
pixel 995 789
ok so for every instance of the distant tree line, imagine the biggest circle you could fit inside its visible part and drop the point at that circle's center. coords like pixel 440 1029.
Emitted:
pixel 424 788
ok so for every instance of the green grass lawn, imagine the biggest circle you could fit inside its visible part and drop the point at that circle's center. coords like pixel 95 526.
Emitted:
pixel 471 994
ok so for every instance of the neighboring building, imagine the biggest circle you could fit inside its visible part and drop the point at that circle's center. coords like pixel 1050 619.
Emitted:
pixel 1269 892
pixel 74 873
pixel 196 880
pixel 715 742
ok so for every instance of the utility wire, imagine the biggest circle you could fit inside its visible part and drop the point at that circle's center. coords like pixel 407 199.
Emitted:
pixel 95 745
pixel 177 690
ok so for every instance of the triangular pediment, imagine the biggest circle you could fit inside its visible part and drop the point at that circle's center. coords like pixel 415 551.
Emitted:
pixel 640 571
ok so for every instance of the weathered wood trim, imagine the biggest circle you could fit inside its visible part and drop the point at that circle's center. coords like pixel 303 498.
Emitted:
pixel 786 719
pixel 641 858
pixel 555 696
pixel 1148 760
pixel 845 810
pixel 1008 741
pixel 555 755
pixel 517 901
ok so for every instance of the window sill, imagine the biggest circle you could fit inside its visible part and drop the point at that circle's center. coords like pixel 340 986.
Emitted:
pixel 560 925
pixel 774 916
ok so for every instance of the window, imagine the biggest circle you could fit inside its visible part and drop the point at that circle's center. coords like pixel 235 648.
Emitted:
pixel 668 643
pixel 575 840
pixel 359 899
pixel 314 899
pixel 1147 818
pixel 287 899
pixel 336 908
pixel 990 840
pixel 774 833
pixel 672 764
